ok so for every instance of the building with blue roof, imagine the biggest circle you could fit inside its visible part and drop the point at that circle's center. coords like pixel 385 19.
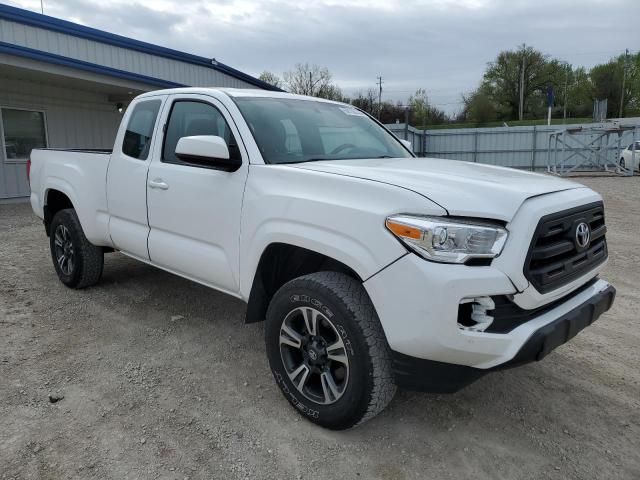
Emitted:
pixel 64 85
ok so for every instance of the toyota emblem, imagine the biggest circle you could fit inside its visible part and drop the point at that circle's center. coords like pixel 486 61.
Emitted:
pixel 582 235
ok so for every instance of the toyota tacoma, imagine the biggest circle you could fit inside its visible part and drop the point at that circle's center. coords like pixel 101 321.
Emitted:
pixel 373 269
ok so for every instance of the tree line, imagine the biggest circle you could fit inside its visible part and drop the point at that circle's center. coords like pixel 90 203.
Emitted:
pixel 317 81
pixel 515 86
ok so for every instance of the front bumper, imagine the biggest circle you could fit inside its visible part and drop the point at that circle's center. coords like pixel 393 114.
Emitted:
pixel 438 377
pixel 417 302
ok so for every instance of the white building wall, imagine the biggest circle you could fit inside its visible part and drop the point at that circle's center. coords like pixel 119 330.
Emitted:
pixel 73 119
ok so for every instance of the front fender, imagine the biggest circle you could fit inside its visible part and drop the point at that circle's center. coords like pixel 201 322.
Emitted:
pixel 337 216
pixel 350 251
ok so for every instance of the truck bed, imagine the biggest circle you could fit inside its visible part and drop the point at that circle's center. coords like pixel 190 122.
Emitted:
pixel 81 174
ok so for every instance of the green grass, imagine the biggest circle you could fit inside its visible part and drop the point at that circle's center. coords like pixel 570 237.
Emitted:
pixel 514 123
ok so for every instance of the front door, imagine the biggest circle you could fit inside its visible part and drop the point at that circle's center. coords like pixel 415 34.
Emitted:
pixel 194 210
pixel 127 178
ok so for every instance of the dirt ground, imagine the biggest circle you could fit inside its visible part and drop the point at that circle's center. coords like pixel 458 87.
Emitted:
pixel 161 379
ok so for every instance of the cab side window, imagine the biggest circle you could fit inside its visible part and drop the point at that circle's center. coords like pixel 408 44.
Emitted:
pixel 137 137
pixel 189 118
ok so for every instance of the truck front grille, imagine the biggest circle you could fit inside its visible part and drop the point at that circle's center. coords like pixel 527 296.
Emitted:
pixel 556 257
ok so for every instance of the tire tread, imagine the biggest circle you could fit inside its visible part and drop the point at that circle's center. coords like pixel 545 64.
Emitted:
pixel 353 295
pixel 92 257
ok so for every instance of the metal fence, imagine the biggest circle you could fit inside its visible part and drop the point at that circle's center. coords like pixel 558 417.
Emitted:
pixel 518 147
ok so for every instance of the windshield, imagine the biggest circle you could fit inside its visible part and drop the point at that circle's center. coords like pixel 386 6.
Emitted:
pixel 293 130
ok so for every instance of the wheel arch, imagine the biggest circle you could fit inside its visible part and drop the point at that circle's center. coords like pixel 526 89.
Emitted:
pixel 280 263
pixel 54 201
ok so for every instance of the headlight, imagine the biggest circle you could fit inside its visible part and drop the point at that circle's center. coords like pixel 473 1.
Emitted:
pixel 448 240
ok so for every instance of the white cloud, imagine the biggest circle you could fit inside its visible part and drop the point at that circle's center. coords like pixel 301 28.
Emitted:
pixel 441 45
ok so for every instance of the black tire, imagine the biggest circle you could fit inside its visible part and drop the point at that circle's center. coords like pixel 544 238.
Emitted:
pixel 622 163
pixel 369 385
pixel 85 269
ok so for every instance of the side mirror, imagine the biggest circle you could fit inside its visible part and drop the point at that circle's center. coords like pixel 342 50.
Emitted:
pixel 407 144
pixel 208 151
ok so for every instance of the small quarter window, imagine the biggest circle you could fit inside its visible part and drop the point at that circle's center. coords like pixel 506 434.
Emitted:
pixel 137 138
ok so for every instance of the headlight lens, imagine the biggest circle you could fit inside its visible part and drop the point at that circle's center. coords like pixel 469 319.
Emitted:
pixel 448 240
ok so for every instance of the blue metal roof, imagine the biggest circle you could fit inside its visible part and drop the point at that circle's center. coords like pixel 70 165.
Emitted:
pixel 27 17
pixel 25 52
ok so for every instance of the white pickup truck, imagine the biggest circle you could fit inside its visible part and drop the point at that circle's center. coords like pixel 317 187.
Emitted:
pixel 373 269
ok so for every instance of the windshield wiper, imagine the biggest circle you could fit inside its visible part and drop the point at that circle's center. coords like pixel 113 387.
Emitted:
pixel 306 160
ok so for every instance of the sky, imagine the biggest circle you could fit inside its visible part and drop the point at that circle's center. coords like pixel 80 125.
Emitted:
pixel 442 46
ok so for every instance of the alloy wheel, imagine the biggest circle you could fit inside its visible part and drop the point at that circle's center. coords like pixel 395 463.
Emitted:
pixel 64 250
pixel 314 355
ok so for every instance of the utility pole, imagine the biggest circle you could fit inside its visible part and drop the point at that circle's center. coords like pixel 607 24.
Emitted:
pixel 566 78
pixel 310 92
pixel 379 96
pixel 42 7
pixel 549 102
pixel 624 78
pixel 406 122
pixel 521 104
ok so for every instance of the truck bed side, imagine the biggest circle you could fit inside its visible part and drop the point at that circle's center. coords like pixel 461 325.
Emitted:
pixel 81 176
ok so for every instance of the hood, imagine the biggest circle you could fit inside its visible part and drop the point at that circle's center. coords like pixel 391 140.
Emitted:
pixel 461 188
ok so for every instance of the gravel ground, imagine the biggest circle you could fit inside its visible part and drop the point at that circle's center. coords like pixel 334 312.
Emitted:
pixel 161 379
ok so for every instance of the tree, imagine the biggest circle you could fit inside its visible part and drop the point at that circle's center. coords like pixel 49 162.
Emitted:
pixel 579 93
pixel 607 83
pixel 313 80
pixel 479 107
pixel 501 81
pixel 367 102
pixel 271 78
pixel 498 96
pixel 305 79
pixel 632 95
pixel 421 113
pixel 331 92
pixel 419 105
pixel 390 112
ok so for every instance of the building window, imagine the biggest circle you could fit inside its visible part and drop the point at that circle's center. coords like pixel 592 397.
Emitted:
pixel 23 130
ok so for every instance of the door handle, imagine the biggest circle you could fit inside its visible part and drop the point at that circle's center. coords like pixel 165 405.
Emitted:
pixel 159 184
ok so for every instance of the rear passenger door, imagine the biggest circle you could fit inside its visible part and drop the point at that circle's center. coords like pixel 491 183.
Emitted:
pixel 127 177
pixel 194 209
